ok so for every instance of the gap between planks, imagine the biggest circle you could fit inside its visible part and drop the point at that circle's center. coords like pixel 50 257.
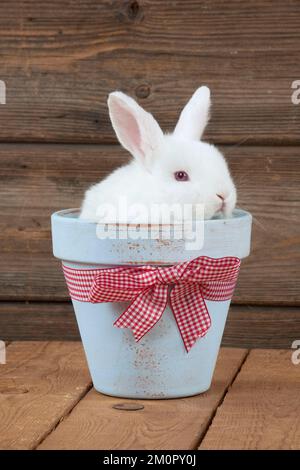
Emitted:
pixel 40 384
pixel 162 424
pixel 261 410
pixel 67 171
pixel 64 416
pixel 222 399
pixel 41 321
pixel 252 404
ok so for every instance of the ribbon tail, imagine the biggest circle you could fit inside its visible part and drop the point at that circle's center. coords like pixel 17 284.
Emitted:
pixel 144 311
pixel 190 312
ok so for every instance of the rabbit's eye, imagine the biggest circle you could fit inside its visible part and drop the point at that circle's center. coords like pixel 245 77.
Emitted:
pixel 181 176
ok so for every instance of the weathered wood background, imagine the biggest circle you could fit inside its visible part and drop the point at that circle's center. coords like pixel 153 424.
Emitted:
pixel 59 61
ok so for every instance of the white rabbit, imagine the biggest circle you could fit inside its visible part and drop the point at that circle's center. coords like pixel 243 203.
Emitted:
pixel 166 169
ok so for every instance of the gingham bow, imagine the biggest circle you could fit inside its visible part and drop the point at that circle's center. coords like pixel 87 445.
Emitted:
pixel 147 287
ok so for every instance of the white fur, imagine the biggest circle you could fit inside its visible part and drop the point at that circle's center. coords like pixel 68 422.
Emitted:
pixel 195 115
pixel 149 178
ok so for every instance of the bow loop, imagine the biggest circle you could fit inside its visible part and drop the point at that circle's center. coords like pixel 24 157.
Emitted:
pixel 147 287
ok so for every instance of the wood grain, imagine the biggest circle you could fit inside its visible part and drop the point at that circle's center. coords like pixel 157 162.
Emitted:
pixel 38 321
pixel 253 326
pixel 39 179
pixel 162 424
pixel 40 384
pixel 262 407
pixel 59 68
pixel 248 326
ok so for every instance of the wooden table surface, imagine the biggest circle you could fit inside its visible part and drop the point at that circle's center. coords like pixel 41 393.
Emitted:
pixel 47 402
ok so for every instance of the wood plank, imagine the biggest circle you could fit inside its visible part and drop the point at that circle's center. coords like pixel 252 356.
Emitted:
pixel 38 321
pixel 39 179
pixel 40 384
pixel 253 326
pixel 59 68
pixel 162 424
pixel 261 409
pixel 248 326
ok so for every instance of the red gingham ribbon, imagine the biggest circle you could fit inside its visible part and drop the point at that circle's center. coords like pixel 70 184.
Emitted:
pixel 147 287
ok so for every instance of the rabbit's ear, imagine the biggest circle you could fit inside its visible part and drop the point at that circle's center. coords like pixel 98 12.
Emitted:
pixel 195 115
pixel 137 130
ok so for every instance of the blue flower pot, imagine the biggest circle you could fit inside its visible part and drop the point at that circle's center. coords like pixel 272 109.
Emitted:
pixel 158 366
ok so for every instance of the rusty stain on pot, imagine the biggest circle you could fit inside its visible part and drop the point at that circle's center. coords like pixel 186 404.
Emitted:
pixel 148 366
pixel 151 263
pixel 144 361
pixel 153 226
pixel 134 246
pixel 145 358
pixel 164 242
pixel 158 395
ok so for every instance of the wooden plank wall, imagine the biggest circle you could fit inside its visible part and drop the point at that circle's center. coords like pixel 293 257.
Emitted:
pixel 59 61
